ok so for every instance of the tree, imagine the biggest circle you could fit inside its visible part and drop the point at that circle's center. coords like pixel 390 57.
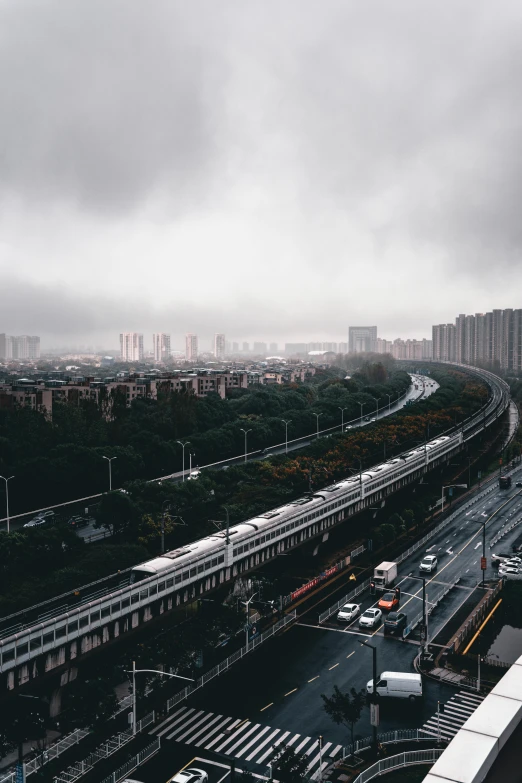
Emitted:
pixel 345 708
pixel 289 766
pixel 116 512
pixel 91 702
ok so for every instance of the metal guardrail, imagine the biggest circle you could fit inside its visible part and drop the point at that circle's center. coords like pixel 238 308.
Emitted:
pixel 49 754
pixel 134 763
pixel 401 760
pixel 475 618
pixel 344 600
pixel 431 604
pixel 388 738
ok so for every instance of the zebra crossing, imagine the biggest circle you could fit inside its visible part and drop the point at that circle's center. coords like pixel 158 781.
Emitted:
pixel 456 712
pixel 242 739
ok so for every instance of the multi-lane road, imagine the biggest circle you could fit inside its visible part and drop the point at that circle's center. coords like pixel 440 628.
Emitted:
pixel 275 695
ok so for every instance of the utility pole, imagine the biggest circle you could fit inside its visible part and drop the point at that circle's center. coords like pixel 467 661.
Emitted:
pixel 246 433
pixel 7 498
pixel 286 423
pixel 342 417
pixel 374 715
pixel 183 444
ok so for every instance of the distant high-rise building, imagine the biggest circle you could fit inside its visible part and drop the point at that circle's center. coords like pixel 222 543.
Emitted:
pixel 259 348
pixel 131 347
pixel 343 347
pixel 5 346
pixel 296 349
pixel 235 347
pixel 23 346
pixel 444 342
pixel 191 347
pixel 246 347
pixel 161 346
pixel 219 346
pixel 362 339
pixel 493 339
pixel 273 348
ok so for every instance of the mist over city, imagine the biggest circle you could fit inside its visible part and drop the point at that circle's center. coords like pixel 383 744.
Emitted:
pixel 260 391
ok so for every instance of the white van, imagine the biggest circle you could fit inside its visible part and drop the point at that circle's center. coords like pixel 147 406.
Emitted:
pixel 401 685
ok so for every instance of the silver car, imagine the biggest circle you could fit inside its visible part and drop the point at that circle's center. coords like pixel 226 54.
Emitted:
pixel 348 612
pixel 190 775
pixel 428 564
pixel 370 618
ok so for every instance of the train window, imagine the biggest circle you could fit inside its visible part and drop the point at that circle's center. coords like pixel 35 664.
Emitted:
pixel 59 632
pixel 170 581
pixel 135 598
pixel 221 559
pixel 115 607
pixel 22 649
pixel 144 594
pixel 201 568
pixel 193 571
pixel 95 616
pixel 35 644
pixel 161 587
pixel 105 612
pixel 84 621
pixel 73 626
pixel 234 552
pixel 153 589
pixel 214 561
pixel 208 564
pixel 125 603
pixel 48 638
pixel 8 655
pixel 178 578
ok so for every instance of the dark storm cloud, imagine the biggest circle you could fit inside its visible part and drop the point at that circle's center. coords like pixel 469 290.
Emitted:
pixel 360 157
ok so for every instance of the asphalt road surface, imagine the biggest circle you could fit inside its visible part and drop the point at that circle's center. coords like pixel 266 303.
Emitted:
pixel 274 696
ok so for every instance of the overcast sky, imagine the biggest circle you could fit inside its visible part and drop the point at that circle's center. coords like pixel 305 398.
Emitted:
pixel 273 169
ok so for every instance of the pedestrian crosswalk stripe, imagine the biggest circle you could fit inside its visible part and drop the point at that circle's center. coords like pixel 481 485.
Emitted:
pixel 457 710
pixel 252 741
pixel 243 739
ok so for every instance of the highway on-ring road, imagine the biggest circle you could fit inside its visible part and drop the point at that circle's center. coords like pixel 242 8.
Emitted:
pixel 280 686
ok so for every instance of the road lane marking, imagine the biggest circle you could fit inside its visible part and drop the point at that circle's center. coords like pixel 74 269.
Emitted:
pixel 349 656
pixel 333 667
pixel 267 706
pixel 314 678
pixel 289 692
pixel 483 624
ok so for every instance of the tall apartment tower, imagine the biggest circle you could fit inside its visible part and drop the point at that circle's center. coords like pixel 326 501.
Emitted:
pixel 362 339
pixel 191 347
pixel 161 346
pixel 444 342
pixel 219 346
pixel 5 346
pixel 131 347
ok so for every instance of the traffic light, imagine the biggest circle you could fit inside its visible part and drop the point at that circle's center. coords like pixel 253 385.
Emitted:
pixel 398 592
pixel 372 588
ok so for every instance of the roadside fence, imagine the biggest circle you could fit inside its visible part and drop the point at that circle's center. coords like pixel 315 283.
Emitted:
pixel 401 760
pixel 80 768
pixel 504 531
pixel 388 738
pixel 134 763
pixel 432 601
pixel 226 664
pixel 48 754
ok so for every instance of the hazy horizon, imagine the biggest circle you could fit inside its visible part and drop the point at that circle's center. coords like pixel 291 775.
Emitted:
pixel 259 169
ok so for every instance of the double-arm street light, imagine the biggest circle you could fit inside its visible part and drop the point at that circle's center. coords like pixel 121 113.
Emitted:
pixel 424 608
pixel 389 396
pixel 183 444
pixel 7 498
pixel 342 416
pixel 134 671
pixel 376 399
pixel 286 423
pixel 246 433
pixel 109 460
pixel 362 404
pixel 317 416
pixel 450 486
pixel 247 604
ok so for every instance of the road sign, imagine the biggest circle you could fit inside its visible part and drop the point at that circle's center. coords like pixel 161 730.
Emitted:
pixel 20 776
pixel 374 714
pixel 479 474
pixel 483 563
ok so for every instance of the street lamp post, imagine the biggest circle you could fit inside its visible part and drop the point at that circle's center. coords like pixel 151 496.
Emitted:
pixel 320 756
pixel 286 423
pixel 136 671
pixel 362 404
pixel 342 416
pixel 186 443
pixel 424 606
pixel 375 716
pixel 389 402
pixel 246 433
pixel 317 415
pixel 163 524
pixel 7 498
pixel 247 604
pixel 449 486
pixel 377 403
pixel 109 460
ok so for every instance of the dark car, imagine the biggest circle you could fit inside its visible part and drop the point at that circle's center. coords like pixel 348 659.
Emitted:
pixel 395 623
pixel 78 522
pixel 518 484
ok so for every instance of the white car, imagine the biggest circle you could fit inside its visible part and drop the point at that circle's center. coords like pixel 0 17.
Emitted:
pixel 428 564
pixel 370 618
pixel 508 570
pixel 190 775
pixel 194 475
pixel 348 612
pixel 513 561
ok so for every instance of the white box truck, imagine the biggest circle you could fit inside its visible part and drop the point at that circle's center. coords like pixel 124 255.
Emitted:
pixel 385 575
pixel 398 685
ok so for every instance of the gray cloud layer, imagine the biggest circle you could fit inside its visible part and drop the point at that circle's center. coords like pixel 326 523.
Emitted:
pixel 272 169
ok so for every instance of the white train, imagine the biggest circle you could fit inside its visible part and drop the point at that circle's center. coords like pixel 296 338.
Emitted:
pixel 289 525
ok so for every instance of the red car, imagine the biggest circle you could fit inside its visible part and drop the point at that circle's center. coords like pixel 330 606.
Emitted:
pixel 388 602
